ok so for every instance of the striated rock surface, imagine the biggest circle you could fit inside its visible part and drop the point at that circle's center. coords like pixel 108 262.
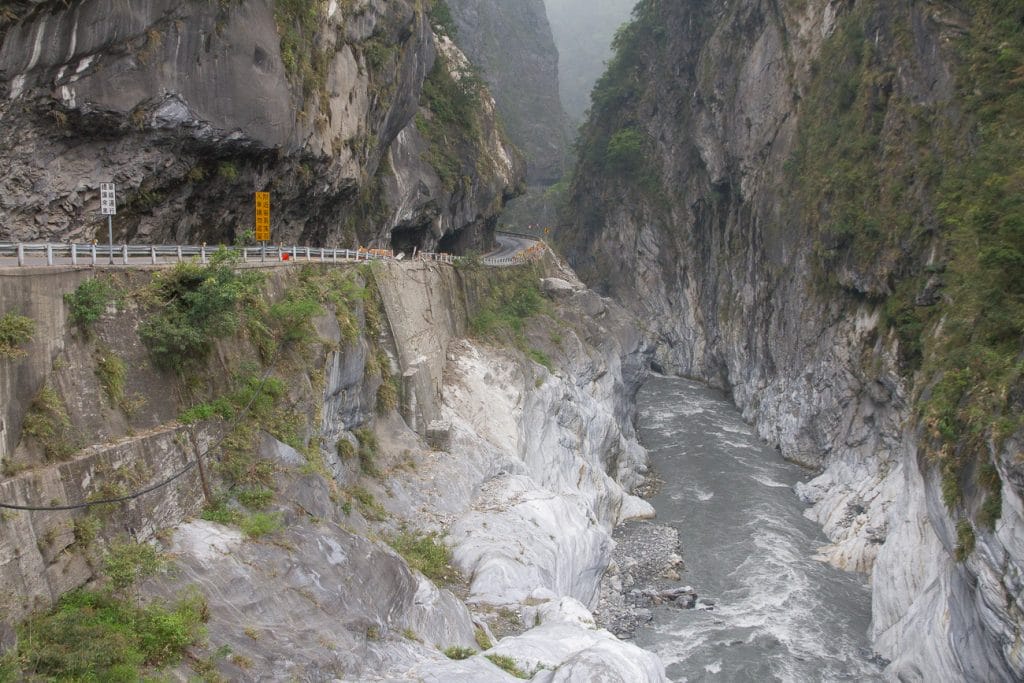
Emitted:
pixel 535 468
pixel 191 107
pixel 746 182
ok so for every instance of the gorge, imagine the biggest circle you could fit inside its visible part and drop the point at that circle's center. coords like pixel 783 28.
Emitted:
pixel 416 470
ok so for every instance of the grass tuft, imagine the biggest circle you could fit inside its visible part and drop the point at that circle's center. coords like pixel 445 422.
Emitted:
pixel 15 331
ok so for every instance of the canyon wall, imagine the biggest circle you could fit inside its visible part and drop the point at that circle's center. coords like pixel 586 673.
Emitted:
pixel 795 196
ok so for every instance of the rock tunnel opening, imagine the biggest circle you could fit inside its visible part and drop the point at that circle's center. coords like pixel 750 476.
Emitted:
pixel 452 242
pixel 405 239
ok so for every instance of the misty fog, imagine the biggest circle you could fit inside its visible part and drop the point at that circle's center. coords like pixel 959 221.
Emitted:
pixel 583 31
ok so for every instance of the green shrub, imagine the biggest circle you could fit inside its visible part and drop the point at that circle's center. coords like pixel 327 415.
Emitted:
pixel 339 289
pixel 220 407
pixel 196 305
pixel 508 665
pixel 991 510
pixel 387 395
pixel 293 318
pixel 227 170
pixel 951 491
pixel 965 539
pixel 540 358
pixel 367 451
pixel 126 562
pixel 95 636
pixel 346 451
pixel 259 524
pixel 626 151
pixel 482 641
pixel 88 302
pixel 220 513
pixel 506 300
pixel 378 52
pixel 48 423
pixel 459 652
pixel 255 498
pixel 368 505
pixel 441 19
pixel 15 330
pixel 238 462
pixel 305 64
pixel 427 554
pixel 112 374
pixel 449 121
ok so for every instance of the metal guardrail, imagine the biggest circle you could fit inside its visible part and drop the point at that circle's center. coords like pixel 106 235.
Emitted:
pixel 125 254
pixel 48 253
pixel 531 253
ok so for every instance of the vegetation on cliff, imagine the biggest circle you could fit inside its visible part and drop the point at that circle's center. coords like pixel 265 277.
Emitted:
pixel 15 331
pixel 104 634
pixel 880 177
pixel 449 120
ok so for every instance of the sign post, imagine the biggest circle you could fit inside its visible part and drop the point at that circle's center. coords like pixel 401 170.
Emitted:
pixel 263 221
pixel 108 208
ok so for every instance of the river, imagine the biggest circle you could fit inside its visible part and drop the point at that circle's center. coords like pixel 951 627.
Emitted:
pixel 779 614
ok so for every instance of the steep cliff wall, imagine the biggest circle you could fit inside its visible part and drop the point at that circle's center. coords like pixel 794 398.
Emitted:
pixel 190 107
pixel 809 203
pixel 513 46
pixel 311 404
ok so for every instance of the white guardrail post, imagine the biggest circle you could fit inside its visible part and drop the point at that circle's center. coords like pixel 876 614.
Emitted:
pixel 124 253
pixel 21 254
pixel 92 253
pixel 74 254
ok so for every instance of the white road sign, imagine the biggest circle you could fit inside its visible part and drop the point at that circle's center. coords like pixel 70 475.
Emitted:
pixel 108 200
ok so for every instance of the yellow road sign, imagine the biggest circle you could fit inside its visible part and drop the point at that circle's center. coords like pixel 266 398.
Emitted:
pixel 262 216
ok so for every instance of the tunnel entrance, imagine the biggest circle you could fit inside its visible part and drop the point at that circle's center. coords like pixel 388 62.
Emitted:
pixel 405 239
pixel 452 243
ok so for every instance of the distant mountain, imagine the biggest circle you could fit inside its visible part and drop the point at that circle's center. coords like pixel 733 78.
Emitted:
pixel 512 44
pixel 583 32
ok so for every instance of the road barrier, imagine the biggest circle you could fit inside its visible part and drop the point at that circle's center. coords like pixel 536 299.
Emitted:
pixel 140 254
pixel 531 253
pixel 75 254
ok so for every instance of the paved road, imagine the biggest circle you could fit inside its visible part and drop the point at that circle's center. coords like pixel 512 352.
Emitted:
pixel 509 245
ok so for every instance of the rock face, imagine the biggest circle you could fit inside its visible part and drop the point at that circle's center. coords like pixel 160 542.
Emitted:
pixel 713 193
pixel 512 44
pixel 191 107
pixel 535 468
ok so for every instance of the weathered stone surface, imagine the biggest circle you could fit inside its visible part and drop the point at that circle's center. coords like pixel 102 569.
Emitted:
pixel 557 287
pixel 40 556
pixel 329 605
pixel 37 294
pixel 317 599
pixel 189 107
